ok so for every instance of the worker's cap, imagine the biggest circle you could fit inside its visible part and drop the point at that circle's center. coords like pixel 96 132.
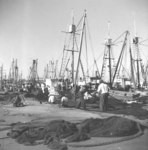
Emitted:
pixel 101 81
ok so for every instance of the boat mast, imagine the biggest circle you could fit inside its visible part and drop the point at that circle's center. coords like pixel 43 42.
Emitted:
pixel 132 70
pixel 72 31
pixel 108 45
pixel 110 70
pixel 138 59
pixel 80 49
pixel 120 56
pixel 33 77
pixel 1 77
pixel 73 46
pixel 136 46
pixel 97 73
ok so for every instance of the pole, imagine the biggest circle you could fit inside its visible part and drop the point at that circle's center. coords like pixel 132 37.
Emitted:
pixel 121 56
pixel 132 70
pixel 136 41
pixel 73 58
pixel 110 70
pixel 81 41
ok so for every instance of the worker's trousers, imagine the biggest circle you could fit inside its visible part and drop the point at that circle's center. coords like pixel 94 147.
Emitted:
pixel 103 102
pixel 81 103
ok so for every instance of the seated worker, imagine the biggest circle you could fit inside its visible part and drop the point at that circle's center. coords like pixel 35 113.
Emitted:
pixel 19 100
pixel 64 101
pixel 51 95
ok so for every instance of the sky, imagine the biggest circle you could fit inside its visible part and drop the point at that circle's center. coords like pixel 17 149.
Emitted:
pixel 31 29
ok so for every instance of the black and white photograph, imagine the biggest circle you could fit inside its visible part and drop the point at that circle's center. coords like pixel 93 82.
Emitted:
pixel 73 74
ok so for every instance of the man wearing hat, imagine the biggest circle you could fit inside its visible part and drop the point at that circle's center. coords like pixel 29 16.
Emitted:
pixel 103 90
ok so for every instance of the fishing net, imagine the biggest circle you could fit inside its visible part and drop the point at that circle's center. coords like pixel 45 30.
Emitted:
pixel 135 109
pixel 56 133
pixel 7 98
pixel 110 127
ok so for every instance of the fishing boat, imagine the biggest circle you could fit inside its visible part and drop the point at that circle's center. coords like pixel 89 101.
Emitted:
pixel 123 75
pixel 126 75
pixel 75 62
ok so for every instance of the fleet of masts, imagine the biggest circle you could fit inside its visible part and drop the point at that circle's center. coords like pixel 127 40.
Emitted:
pixel 137 69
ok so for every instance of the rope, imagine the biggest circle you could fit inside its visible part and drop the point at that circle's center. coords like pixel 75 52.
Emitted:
pixel 3 129
pixel 79 22
pixel 91 45
pixel 119 37
pixel 144 45
pixel 143 41
pixel 96 60
pixel 89 35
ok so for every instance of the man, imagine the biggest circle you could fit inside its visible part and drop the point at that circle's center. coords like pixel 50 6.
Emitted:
pixel 19 100
pixel 80 100
pixel 103 90
pixel 51 95
pixel 64 100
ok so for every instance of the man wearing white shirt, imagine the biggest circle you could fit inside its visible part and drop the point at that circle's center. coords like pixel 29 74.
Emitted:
pixel 103 90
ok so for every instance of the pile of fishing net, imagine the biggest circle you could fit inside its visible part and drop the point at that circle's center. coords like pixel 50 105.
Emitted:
pixel 57 133
pixel 7 98
pixel 136 109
